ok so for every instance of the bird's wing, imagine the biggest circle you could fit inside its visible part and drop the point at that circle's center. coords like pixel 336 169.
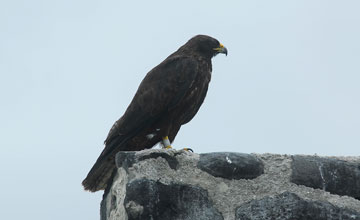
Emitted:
pixel 161 89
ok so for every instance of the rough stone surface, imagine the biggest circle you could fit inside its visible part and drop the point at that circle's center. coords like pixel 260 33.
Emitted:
pixel 231 165
pixel 164 202
pixel 126 159
pixel 169 178
pixel 112 205
pixel 289 206
pixel 329 174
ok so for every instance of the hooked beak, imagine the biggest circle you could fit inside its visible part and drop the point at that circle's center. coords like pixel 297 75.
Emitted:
pixel 221 49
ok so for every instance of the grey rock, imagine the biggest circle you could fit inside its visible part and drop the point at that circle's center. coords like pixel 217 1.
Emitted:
pixel 147 199
pixel 329 174
pixel 126 159
pixel 231 165
pixel 170 185
pixel 289 206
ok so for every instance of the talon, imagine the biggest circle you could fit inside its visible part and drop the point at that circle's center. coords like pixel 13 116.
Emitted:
pixel 168 147
pixel 188 149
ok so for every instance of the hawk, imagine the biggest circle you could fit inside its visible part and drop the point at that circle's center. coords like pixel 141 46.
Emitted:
pixel 168 97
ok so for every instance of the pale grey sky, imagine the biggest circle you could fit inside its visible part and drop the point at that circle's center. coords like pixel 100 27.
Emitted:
pixel 68 70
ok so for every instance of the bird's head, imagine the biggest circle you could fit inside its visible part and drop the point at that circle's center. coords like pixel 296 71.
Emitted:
pixel 206 46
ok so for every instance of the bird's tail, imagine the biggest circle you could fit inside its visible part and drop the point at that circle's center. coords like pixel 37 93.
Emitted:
pixel 100 173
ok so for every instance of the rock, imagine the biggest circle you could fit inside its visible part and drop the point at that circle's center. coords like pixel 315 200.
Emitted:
pixel 231 165
pixel 148 199
pixel 329 174
pixel 126 159
pixel 289 206
pixel 168 184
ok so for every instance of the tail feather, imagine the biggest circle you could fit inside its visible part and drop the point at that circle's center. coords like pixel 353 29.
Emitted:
pixel 100 173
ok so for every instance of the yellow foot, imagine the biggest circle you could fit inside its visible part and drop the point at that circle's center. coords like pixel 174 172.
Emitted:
pixel 168 147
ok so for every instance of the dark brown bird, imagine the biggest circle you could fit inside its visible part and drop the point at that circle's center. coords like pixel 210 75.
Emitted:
pixel 169 96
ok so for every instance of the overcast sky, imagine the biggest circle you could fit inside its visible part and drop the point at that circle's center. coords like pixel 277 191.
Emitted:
pixel 69 68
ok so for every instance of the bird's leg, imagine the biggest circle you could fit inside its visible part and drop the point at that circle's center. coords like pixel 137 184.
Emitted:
pixel 167 145
pixel 166 142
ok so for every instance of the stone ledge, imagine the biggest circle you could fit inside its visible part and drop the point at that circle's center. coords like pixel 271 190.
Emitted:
pixel 231 165
pixel 170 184
pixel 332 175
pixel 289 206
pixel 173 201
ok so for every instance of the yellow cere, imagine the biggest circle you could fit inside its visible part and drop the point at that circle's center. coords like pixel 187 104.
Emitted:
pixel 221 46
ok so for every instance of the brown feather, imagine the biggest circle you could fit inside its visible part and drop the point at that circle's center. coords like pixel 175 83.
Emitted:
pixel 169 96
